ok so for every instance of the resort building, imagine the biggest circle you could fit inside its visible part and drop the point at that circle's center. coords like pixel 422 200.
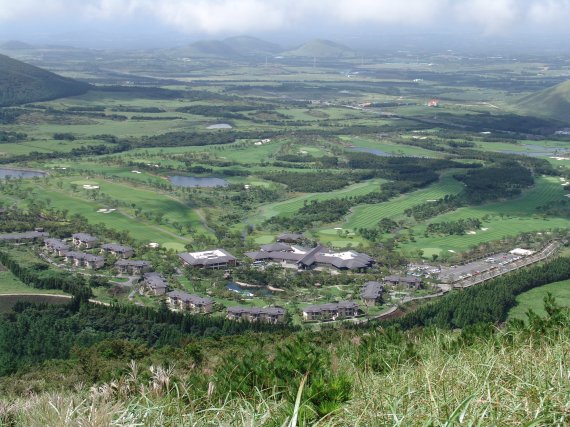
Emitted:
pixel 411 282
pixel 217 258
pixel 84 240
pixel 253 314
pixel 23 237
pixel 153 284
pixel 132 267
pixel 118 250
pixel 194 303
pixel 80 259
pixel 372 293
pixel 332 311
pixel 305 258
pixel 290 238
pixel 56 247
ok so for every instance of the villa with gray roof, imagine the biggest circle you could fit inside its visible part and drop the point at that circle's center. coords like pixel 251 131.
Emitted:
pixel 81 259
pixel 332 311
pixel 194 303
pixel 84 240
pixel 134 267
pixel 216 258
pixel 290 238
pixel 56 247
pixel 372 293
pixel 306 258
pixel 23 237
pixel 118 250
pixel 255 314
pixel 409 281
pixel 153 284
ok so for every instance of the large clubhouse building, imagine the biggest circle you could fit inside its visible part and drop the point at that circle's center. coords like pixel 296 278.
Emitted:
pixel 311 258
pixel 216 258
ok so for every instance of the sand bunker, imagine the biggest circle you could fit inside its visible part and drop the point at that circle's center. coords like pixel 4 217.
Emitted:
pixel 90 187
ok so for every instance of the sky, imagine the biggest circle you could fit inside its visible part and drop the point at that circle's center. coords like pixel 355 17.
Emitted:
pixel 175 21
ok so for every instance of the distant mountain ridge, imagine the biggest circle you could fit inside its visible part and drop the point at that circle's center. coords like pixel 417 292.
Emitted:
pixel 239 46
pixel 553 103
pixel 243 46
pixel 322 49
pixel 21 83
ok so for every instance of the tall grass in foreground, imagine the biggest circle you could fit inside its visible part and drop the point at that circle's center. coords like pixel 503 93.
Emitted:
pixel 519 376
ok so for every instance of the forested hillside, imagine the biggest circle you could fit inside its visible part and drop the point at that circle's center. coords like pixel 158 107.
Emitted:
pixel 21 83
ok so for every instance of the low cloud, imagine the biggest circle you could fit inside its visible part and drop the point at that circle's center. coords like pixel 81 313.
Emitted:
pixel 231 16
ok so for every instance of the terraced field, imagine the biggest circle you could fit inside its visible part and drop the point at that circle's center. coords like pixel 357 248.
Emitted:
pixel 367 215
pixel 289 207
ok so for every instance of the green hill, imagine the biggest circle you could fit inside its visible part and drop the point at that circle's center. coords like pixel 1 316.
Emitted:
pixel 322 49
pixel 21 83
pixel 208 48
pixel 553 103
pixel 229 48
pixel 15 45
pixel 246 45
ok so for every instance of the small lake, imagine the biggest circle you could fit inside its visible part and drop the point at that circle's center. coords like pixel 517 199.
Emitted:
pixel 192 181
pixel 220 126
pixel 247 292
pixel 375 151
pixel 19 173
pixel 539 151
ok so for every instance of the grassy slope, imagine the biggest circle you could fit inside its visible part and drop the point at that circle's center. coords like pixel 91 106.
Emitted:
pixel 488 383
pixel 122 220
pixel 321 49
pixel 533 299
pixel 21 83
pixel 553 102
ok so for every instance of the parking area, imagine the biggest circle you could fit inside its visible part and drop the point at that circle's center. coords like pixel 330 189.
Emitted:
pixel 459 272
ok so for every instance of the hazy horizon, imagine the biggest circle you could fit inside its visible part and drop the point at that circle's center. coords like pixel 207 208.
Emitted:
pixel 534 24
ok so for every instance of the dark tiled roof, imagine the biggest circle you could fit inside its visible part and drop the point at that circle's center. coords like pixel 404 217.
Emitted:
pixel 292 237
pixel 56 244
pixel 358 260
pixel 155 281
pixel 133 263
pixel 84 237
pixel 192 299
pixel 330 307
pixel 84 257
pixel 309 258
pixel 276 247
pixel 114 247
pixel 372 290
pixel 275 256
